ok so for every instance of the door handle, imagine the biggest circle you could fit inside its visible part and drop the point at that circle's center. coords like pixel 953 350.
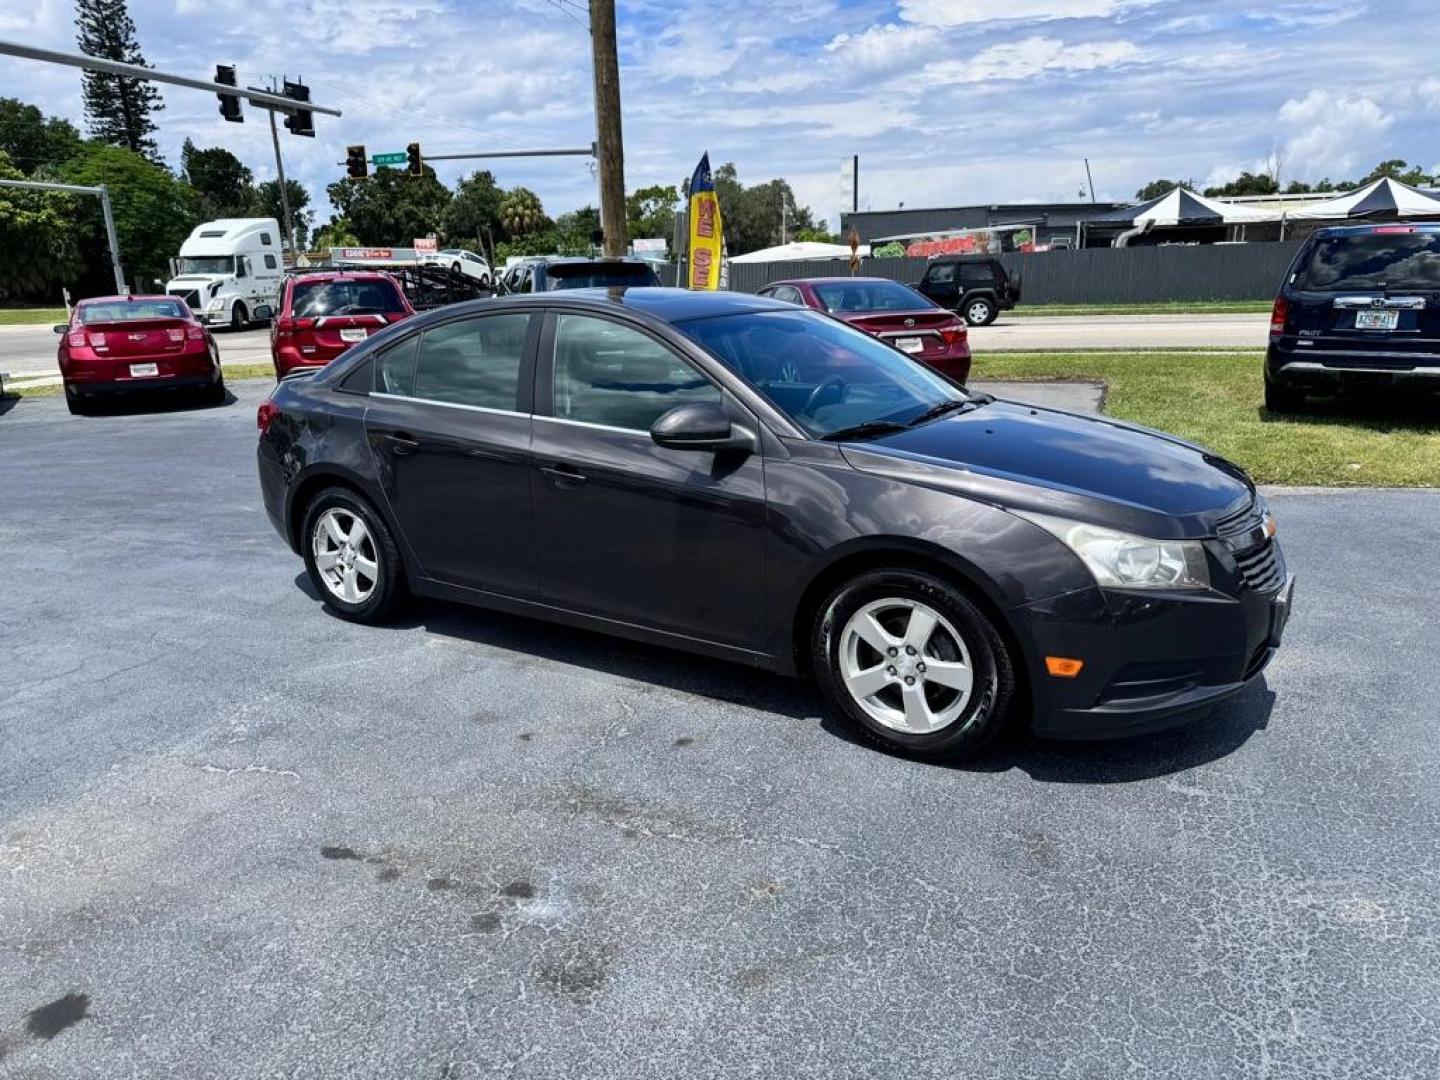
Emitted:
pixel 402 444
pixel 563 475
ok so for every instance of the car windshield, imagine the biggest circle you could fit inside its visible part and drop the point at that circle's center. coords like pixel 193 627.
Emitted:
pixel 822 374
pixel 1378 261
pixel 845 296
pixel 313 299
pixel 132 311
pixel 207 264
pixel 590 276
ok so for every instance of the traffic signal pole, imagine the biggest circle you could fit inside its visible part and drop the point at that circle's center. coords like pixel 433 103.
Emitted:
pixel 104 195
pixel 284 193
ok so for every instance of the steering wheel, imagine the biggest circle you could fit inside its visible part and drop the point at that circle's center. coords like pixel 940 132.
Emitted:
pixel 813 401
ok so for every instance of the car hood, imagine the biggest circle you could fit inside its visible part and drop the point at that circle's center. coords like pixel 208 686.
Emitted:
pixel 1049 461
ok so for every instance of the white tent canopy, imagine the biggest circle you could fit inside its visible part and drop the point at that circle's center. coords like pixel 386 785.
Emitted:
pixel 1385 198
pixel 1181 206
pixel 797 250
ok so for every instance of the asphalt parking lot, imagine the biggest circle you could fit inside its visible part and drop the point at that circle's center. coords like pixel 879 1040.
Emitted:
pixel 242 838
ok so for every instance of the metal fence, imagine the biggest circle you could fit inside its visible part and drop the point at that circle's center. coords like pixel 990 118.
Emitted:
pixel 1087 276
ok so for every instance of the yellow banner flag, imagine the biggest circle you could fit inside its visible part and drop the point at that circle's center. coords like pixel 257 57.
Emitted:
pixel 706 231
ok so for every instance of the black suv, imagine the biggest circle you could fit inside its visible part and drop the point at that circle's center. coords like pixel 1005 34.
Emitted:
pixel 564 272
pixel 975 289
pixel 1359 308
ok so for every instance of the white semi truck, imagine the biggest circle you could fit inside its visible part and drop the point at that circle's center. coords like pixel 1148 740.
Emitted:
pixel 230 271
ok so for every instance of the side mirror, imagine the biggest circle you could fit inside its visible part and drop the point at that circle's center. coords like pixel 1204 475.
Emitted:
pixel 701 425
pixel 60 327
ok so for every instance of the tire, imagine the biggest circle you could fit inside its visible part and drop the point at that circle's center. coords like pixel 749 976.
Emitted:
pixel 456 268
pixel 214 395
pixel 239 317
pixel 962 722
pixel 343 507
pixel 77 405
pixel 1283 399
pixel 979 311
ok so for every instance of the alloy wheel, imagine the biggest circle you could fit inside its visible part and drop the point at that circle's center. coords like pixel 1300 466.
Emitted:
pixel 345 555
pixel 906 666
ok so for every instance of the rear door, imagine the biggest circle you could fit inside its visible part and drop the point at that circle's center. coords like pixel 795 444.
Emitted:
pixel 939 284
pixel 1375 292
pixel 449 429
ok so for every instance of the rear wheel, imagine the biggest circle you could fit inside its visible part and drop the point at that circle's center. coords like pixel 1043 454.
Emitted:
pixel 77 405
pixel 239 317
pixel 350 556
pixel 214 395
pixel 913 665
pixel 979 311
pixel 1283 399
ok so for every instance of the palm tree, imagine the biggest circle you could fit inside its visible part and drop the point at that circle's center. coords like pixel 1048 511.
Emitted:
pixel 521 212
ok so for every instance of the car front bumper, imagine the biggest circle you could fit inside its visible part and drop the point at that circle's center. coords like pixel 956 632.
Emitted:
pixel 1150 663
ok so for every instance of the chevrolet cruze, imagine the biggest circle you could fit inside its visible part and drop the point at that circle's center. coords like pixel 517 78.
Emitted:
pixel 735 476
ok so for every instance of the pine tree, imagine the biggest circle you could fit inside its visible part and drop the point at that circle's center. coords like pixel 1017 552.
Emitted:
pixel 117 110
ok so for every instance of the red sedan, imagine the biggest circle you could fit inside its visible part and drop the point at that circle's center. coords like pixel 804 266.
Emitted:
pixel 128 344
pixel 893 312
pixel 323 313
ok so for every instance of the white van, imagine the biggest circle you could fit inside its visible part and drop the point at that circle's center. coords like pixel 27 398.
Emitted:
pixel 230 271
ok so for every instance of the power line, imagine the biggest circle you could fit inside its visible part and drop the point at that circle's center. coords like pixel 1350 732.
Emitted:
pixel 560 6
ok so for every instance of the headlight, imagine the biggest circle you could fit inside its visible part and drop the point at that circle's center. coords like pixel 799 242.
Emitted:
pixel 1122 561
pixel 215 304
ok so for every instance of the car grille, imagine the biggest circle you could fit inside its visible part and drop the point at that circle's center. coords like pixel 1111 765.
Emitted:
pixel 191 298
pixel 1260 567
pixel 1240 522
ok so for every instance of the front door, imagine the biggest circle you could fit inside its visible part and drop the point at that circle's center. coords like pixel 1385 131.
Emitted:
pixel 449 429
pixel 669 539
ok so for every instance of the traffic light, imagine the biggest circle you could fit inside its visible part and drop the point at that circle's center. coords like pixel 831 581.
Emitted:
pixel 229 103
pixel 356 164
pixel 303 121
pixel 414 164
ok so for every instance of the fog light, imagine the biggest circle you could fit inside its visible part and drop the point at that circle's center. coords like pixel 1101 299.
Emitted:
pixel 1063 667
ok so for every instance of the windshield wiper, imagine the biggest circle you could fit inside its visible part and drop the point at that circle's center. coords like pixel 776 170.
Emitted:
pixel 940 408
pixel 865 430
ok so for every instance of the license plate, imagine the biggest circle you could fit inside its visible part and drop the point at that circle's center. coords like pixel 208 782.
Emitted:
pixel 357 334
pixel 138 371
pixel 1377 320
pixel 910 344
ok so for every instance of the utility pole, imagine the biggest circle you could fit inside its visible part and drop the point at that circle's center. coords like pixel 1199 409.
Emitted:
pixel 1090 183
pixel 284 194
pixel 784 217
pixel 608 138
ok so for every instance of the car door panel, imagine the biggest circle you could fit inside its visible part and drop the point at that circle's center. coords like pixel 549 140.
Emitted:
pixel 632 531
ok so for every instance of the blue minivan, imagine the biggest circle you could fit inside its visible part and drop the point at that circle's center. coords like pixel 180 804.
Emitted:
pixel 1359 309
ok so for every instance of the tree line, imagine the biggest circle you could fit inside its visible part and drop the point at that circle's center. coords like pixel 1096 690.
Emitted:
pixel 1267 181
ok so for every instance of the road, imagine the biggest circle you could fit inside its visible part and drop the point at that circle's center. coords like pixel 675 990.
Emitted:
pixel 30 350
pixel 240 838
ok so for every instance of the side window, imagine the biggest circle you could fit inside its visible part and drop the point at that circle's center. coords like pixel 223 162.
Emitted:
pixel 977 274
pixel 361 380
pixel 940 274
pixel 395 371
pixel 270 263
pixel 241 263
pixel 609 374
pixel 473 361
pixel 265 239
pixel 787 293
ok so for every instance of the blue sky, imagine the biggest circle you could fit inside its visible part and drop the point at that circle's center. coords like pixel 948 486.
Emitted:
pixel 946 101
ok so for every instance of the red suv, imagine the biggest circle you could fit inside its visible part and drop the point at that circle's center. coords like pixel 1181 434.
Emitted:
pixel 893 312
pixel 324 313
pixel 129 344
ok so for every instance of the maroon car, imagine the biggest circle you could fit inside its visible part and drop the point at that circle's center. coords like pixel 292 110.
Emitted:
pixel 128 344
pixel 893 312
pixel 322 314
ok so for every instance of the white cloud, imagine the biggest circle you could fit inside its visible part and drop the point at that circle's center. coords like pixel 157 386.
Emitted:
pixel 1429 92
pixel 1330 134
pixel 1027 58
pixel 882 47
pixel 961 12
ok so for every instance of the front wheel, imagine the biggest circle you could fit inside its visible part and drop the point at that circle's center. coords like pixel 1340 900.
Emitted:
pixel 239 317
pixel 913 665
pixel 350 556
pixel 980 311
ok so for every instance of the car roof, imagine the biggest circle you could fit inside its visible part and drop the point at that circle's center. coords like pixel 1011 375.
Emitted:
pixel 667 305
pixel 1363 230
pixel 832 281
pixel 342 275
pixel 123 299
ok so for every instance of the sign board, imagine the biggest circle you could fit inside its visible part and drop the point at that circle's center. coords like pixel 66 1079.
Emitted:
pixel 641 247
pixel 426 245
pixel 366 253
pixel 397 158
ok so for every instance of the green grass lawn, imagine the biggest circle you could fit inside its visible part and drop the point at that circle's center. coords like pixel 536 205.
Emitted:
pixel 1175 307
pixel 45 316
pixel 1216 399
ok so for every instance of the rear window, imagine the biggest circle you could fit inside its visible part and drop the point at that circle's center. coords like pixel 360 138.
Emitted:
pixel 313 299
pixel 133 311
pixel 870 296
pixel 590 276
pixel 1375 261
